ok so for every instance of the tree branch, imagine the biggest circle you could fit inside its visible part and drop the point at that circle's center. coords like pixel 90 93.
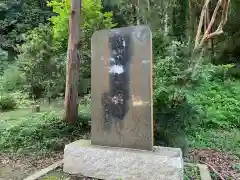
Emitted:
pixel 211 23
pixel 207 35
pixel 214 170
pixel 200 25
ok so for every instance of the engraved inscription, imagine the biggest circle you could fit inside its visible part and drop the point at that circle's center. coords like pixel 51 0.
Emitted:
pixel 114 102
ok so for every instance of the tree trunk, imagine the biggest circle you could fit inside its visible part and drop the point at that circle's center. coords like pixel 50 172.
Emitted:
pixel 138 11
pixel 73 61
pixel 148 12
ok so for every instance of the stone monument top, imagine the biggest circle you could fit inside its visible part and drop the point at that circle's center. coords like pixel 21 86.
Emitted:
pixel 122 88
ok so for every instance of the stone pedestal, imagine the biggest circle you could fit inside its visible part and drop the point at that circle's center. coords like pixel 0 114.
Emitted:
pixel 112 163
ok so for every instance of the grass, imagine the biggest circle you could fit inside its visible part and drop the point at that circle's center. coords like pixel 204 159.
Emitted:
pixel 18 116
pixel 26 132
pixel 56 174
pixel 222 140
pixel 191 172
pixel 217 139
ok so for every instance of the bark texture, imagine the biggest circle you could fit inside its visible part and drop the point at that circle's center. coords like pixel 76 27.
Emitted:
pixel 73 62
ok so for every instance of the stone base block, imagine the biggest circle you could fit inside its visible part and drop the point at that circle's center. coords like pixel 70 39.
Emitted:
pixel 111 163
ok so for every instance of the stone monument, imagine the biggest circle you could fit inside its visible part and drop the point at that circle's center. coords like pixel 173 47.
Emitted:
pixel 121 145
pixel 122 88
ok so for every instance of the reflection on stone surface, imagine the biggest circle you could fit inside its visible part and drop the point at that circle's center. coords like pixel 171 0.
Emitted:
pixel 138 102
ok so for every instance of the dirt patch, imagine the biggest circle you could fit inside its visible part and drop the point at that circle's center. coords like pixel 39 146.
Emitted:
pixel 223 164
pixel 16 168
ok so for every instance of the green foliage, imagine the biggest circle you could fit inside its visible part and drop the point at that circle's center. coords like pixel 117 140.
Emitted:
pixel 7 102
pixel 86 100
pixel 13 79
pixel 218 103
pixel 92 19
pixel 16 18
pixel 194 100
pixel 191 172
pixel 179 19
pixel 173 113
pixel 160 43
pixel 217 139
pixel 84 86
pixel 13 100
pixel 42 58
pixel 111 2
pixel 43 132
pixel 3 61
pixel 22 99
pixel 127 10
pixel 190 96
pixel 44 71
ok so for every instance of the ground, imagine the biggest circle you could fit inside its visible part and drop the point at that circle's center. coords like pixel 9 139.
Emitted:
pixel 227 166
pixel 17 168
pixel 191 172
pixel 58 174
pixel 219 149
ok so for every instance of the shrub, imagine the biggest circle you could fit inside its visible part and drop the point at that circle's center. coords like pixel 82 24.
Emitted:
pixel 86 100
pixel 218 103
pixel 221 140
pixel 43 132
pixel 13 100
pixel 160 42
pixel 44 71
pixel 172 112
pixel 7 102
pixel 13 79
pixel 22 99
pixel 3 61
pixel 191 95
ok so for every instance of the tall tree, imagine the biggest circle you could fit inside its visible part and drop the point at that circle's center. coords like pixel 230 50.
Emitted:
pixel 73 61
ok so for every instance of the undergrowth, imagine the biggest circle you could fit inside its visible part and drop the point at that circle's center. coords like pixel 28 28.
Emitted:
pixel 218 103
pixel 40 133
pixel 191 172
pixel 13 100
pixel 193 105
pixel 193 108
pixel 217 139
